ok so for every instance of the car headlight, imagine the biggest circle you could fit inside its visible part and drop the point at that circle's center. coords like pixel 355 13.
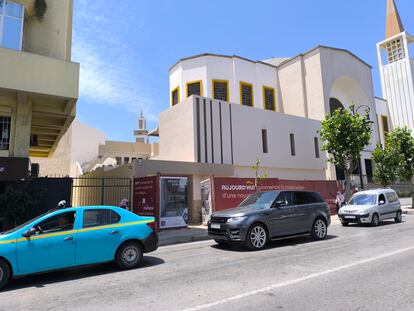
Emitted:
pixel 236 219
pixel 362 212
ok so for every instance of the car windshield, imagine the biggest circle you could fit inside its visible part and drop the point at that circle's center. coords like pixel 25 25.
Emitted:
pixel 363 199
pixel 259 200
pixel 23 225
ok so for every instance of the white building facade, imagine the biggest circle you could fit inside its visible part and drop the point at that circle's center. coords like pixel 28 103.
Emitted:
pixel 396 65
pixel 275 111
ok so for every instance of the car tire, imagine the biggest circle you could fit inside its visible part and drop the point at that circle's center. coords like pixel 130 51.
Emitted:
pixel 345 223
pixel 4 273
pixel 221 242
pixel 398 217
pixel 319 229
pixel 129 255
pixel 257 237
pixel 375 220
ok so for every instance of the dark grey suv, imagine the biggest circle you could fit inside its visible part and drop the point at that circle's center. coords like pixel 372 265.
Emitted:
pixel 273 214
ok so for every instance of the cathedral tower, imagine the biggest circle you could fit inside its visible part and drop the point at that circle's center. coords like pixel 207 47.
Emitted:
pixel 397 69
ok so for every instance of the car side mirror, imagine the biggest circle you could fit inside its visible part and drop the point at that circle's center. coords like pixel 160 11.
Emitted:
pixel 29 233
pixel 381 202
pixel 280 203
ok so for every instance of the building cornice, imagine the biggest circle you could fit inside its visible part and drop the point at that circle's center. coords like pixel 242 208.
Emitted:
pixel 323 47
pixel 220 55
pixel 267 64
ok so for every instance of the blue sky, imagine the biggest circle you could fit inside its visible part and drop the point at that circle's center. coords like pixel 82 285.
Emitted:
pixel 126 48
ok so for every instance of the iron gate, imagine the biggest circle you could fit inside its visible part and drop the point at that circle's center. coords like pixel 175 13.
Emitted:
pixel 88 191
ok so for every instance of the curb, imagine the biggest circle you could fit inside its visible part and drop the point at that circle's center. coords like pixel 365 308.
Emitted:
pixel 182 240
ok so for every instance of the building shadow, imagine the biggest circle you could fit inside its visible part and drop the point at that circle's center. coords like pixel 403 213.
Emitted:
pixel 277 243
pixel 47 278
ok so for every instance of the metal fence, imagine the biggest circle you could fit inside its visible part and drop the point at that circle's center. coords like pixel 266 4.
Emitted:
pixel 100 190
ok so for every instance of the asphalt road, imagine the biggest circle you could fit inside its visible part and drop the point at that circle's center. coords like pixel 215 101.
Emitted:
pixel 356 268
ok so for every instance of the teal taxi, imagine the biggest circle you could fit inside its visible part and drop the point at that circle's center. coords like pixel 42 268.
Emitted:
pixel 73 237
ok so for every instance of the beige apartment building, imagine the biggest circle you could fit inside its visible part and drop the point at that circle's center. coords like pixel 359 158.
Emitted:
pixel 38 82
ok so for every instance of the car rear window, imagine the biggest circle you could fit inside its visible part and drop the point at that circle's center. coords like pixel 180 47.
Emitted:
pixel 392 197
pixel 100 217
pixel 302 197
pixel 316 197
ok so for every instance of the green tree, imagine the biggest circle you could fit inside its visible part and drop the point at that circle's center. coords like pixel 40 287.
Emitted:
pixel 401 140
pixel 345 135
pixel 258 177
pixel 387 161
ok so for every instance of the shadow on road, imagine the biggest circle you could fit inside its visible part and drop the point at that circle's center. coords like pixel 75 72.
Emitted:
pixel 293 241
pixel 381 224
pixel 44 279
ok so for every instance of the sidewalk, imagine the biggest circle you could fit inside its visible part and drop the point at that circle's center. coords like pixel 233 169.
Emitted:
pixel 176 236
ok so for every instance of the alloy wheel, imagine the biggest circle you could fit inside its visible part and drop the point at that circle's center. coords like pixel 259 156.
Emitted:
pixel 258 237
pixel 375 220
pixel 130 254
pixel 1 273
pixel 320 228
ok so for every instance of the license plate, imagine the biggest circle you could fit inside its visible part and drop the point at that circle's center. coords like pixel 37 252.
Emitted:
pixel 350 217
pixel 215 226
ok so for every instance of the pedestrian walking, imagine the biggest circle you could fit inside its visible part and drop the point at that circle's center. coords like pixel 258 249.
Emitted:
pixel 124 204
pixel 339 201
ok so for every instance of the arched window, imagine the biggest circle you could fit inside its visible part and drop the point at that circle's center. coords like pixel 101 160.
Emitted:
pixel 334 104
pixel 11 24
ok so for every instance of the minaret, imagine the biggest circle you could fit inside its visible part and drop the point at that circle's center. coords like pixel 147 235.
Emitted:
pixel 141 133
pixel 397 69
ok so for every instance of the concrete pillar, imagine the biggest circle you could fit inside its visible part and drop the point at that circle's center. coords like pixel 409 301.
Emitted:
pixel 194 212
pixel 22 126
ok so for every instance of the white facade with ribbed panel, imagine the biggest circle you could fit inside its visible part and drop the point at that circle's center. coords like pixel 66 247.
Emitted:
pixel 396 63
pixel 397 78
pixel 276 97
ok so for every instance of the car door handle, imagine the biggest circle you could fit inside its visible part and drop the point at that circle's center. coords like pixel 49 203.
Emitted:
pixel 114 232
pixel 68 238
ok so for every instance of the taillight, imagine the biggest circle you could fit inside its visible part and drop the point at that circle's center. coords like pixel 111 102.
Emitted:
pixel 152 225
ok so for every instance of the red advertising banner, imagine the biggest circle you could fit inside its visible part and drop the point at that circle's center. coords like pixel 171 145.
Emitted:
pixel 145 200
pixel 228 192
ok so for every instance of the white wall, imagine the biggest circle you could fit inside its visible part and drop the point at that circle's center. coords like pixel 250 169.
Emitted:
pixel 234 136
pixel 85 142
pixel 177 133
pixel 397 80
pixel 234 69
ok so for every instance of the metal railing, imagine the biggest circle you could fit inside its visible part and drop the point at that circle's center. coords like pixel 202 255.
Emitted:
pixel 111 191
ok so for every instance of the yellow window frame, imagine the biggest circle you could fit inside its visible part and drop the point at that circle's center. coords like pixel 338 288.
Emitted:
pixel 192 82
pixel 227 88
pixel 384 132
pixel 242 83
pixel 178 95
pixel 264 88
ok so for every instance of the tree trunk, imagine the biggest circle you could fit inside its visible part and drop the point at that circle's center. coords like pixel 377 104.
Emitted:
pixel 412 193
pixel 348 190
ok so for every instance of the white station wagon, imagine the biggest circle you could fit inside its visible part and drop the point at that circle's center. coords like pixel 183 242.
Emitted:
pixel 370 207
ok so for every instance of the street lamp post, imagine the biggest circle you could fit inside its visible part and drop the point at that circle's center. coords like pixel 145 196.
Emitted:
pixel 367 120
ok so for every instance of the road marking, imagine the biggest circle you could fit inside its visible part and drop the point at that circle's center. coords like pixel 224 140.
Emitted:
pixel 299 280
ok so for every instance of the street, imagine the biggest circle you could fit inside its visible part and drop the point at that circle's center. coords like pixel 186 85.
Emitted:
pixel 356 268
